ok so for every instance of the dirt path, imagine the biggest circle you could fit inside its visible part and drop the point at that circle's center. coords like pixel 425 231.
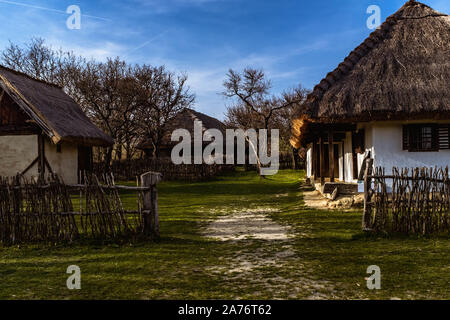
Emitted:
pixel 264 258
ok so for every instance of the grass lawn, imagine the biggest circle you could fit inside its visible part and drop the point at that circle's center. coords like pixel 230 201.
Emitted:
pixel 328 254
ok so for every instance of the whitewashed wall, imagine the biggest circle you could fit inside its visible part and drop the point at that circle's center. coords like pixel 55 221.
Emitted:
pixel 348 158
pixel 18 152
pixel 388 153
pixel 341 162
pixel 384 141
pixel 309 163
pixel 64 163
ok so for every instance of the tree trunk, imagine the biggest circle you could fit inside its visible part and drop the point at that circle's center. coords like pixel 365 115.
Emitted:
pixel 108 156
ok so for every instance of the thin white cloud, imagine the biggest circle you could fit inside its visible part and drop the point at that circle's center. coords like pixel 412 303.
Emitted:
pixel 48 9
pixel 153 39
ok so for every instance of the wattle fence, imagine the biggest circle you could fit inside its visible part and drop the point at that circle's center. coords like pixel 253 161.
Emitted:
pixel 128 170
pixel 52 211
pixel 408 201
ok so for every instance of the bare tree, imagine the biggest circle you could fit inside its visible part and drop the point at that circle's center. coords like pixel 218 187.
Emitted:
pixel 127 102
pixel 40 61
pixel 162 94
pixel 106 93
pixel 255 107
pixel 251 89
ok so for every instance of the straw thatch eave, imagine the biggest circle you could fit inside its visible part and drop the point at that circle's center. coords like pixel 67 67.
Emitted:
pixel 400 72
pixel 58 116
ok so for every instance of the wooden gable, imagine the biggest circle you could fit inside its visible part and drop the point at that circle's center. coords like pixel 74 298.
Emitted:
pixel 13 121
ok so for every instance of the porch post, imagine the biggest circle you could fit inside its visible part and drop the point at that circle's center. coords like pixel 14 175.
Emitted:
pixel 313 161
pixel 322 162
pixel 331 154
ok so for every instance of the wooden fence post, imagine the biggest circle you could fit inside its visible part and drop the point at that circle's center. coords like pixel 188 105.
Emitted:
pixel 150 203
pixel 367 195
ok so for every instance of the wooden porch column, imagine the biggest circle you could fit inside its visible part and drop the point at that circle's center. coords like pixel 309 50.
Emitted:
pixel 331 154
pixel 322 162
pixel 313 161
pixel 41 156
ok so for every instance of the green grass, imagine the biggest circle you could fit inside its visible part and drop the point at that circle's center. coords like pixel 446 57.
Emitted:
pixel 179 266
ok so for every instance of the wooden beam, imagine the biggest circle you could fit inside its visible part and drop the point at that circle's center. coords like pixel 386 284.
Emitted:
pixel 368 192
pixel 47 164
pixel 313 161
pixel 41 156
pixel 30 166
pixel 17 130
pixel 2 95
pixel 322 162
pixel 331 154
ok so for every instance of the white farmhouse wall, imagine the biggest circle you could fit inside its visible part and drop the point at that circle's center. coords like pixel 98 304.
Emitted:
pixel 64 163
pixel 388 153
pixel 309 163
pixel 348 158
pixel 341 161
pixel 18 152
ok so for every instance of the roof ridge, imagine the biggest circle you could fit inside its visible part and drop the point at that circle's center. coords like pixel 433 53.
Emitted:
pixel 30 77
pixel 377 36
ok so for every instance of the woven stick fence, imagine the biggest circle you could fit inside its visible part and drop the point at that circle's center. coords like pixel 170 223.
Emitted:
pixel 409 201
pixel 33 211
pixel 128 170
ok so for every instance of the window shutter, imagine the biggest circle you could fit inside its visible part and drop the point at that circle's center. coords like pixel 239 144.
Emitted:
pixel 435 141
pixel 444 137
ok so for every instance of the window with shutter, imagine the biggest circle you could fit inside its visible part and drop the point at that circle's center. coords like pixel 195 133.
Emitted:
pixel 425 137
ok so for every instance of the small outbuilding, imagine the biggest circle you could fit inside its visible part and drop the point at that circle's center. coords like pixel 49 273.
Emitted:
pixel 43 130
pixel 388 100
pixel 185 119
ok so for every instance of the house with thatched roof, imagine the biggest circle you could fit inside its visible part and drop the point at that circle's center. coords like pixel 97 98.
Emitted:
pixel 42 130
pixel 388 100
pixel 184 119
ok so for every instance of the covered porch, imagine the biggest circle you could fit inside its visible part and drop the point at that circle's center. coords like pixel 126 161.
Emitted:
pixel 334 157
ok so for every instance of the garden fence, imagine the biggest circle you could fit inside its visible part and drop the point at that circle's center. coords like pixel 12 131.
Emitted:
pixel 409 201
pixel 33 211
pixel 128 170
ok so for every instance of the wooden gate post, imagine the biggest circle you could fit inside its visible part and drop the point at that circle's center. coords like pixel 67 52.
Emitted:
pixel 150 203
pixel 367 195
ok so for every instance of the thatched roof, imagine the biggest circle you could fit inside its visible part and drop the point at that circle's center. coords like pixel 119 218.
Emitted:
pixel 185 120
pixel 52 109
pixel 401 71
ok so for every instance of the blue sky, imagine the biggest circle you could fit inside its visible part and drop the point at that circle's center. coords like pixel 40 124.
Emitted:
pixel 296 42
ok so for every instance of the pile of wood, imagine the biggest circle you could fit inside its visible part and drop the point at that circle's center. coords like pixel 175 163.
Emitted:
pixel 50 211
pixel 415 201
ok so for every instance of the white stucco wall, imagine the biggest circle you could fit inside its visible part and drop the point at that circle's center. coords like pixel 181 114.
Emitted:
pixel 341 162
pixel 384 140
pixel 309 163
pixel 18 152
pixel 388 153
pixel 64 163
pixel 348 158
